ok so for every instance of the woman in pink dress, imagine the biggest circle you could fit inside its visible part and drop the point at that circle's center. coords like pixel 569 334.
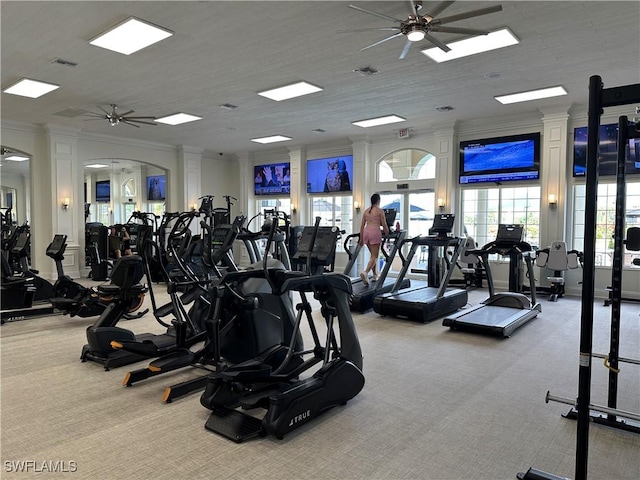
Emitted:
pixel 371 236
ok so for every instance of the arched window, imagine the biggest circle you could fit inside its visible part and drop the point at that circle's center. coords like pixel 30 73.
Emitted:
pixel 407 164
pixel 129 188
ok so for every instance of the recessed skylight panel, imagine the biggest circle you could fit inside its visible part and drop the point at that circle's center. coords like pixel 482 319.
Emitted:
pixel 130 36
pixel 290 91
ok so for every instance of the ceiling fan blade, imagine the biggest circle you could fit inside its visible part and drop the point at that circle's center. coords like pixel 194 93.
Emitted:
pixel 129 123
pixel 436 42
pixel 413 8
pixel 136 118
pixel 470 31
pixel 405 49
pixel 381 41
pixel 437 9
pixel 126 113
pixel 381 29
pixel 129 120
pixel 465 15
pixel 105 111
pixel 381 15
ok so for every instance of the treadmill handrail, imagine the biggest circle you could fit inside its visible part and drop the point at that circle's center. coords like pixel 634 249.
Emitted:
pixel 454 258
pixel 397 237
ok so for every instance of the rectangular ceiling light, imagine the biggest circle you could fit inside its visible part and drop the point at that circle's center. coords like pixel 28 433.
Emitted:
pixel 130 36
pixel 472 45
pixel 531 95
pixel 374 122
pixel 96 165
pixel 17 158
pixel 178 118
pixel 290 91
pixel 271 139
pixel 27 87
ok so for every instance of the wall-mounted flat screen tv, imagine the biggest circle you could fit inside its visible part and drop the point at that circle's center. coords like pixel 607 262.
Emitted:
pixel 272 179
pixel 330 175
pixel 607 152
pixel 500 159
pixel 103 191
pixel 156 188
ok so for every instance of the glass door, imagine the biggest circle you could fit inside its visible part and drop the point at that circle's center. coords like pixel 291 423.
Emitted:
pixel 415 214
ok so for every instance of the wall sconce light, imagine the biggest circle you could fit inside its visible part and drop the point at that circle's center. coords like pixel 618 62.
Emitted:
pixel 441 204
pixel 356 205
pixel 194 207
pixel 65 203
pixel 553 201
pixel 293 209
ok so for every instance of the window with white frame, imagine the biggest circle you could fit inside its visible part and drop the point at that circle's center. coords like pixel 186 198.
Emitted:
pixel 483 209
pixel 334 211
pixel 606 219
pixel 281 204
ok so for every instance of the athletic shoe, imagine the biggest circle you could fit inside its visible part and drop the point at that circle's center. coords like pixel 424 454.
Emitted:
pixel 374 278
pixel 364 278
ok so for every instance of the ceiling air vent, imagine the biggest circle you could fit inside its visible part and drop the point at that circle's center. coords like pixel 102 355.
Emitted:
pixel 66 63
pixel 366 71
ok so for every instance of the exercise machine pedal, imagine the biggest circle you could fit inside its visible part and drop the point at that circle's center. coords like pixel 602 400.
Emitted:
pixel 234 425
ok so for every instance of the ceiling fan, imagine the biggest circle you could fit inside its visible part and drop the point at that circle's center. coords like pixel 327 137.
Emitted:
pixel 114 118
pixel 418 27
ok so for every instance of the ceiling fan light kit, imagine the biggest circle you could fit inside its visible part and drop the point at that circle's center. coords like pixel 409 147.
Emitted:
pixel 420 27
pixel 114 118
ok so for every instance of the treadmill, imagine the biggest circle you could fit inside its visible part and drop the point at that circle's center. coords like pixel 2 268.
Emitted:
pixel 363 295
pixel 502 313
pixel 426 303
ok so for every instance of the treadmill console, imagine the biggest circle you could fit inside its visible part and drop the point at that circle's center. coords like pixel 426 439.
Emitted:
pixel 390 216
pixel 442 224
pixel 509 234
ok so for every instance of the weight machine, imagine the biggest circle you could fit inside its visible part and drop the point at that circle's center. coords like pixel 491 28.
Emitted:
pixel 599 97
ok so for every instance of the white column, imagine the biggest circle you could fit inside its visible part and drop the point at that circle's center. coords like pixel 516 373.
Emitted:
pixel 554 174
pixel 446 156
pixel 189 175
pixel 60 177
pixel 297 157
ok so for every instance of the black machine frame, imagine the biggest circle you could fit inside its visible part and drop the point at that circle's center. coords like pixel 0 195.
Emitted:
pixel 426 303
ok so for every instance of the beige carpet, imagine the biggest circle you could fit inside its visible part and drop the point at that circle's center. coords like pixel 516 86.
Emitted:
pixel 437 404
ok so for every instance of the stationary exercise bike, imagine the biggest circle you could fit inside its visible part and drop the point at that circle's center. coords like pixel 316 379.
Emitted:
pixel 72 298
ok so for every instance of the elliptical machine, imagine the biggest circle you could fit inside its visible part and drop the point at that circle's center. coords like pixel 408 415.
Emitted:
pixel 289 400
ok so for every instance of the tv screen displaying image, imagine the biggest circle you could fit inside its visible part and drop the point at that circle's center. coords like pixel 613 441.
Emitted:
pixel 327 175
pixel 607 152
pixel 103 191
pixel 272 179
pixel 500 159
pixel 156 188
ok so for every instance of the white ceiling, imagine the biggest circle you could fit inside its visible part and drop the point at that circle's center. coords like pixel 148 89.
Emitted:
pixel 226 51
